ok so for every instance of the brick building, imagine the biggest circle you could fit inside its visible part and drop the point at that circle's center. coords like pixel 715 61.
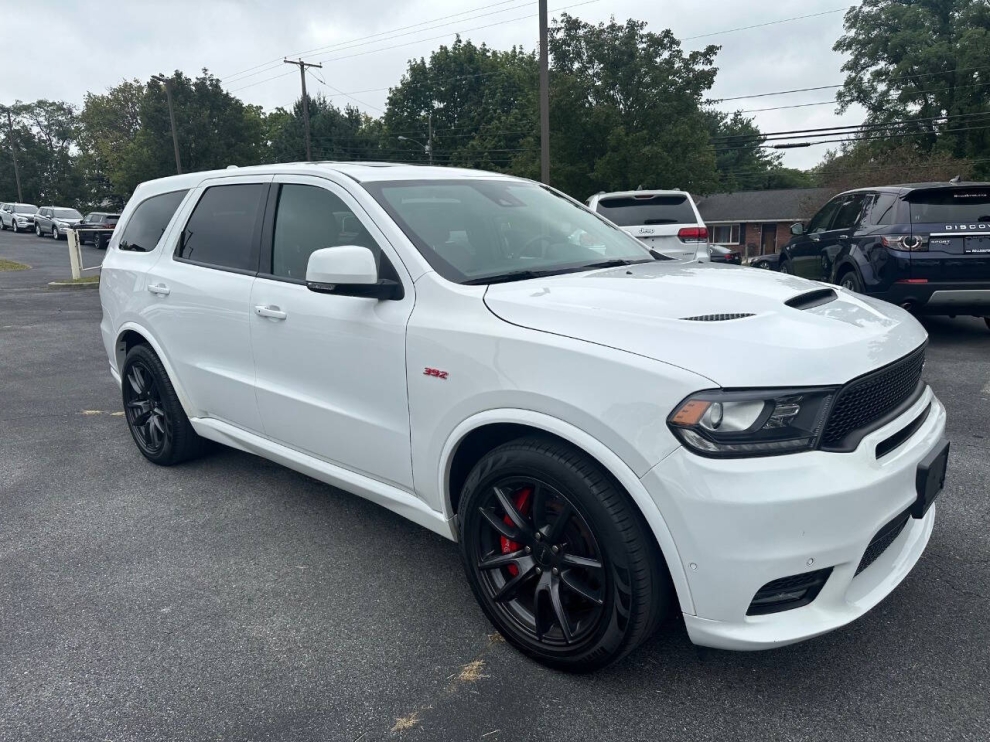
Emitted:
pixel 759 222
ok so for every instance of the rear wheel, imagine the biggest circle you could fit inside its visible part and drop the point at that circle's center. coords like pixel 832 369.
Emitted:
pixel 850 281
pixel 154 415
pixel 558 557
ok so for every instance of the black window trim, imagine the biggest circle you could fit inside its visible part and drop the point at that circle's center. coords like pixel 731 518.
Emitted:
pixel 255 236
pixel 134 211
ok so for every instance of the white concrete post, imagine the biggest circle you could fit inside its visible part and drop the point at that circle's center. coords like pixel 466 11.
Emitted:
pixel 75 254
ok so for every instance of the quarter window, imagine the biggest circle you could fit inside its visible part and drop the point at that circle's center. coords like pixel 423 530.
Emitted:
pixel 148 223
pixel 310 218
pixel 221 231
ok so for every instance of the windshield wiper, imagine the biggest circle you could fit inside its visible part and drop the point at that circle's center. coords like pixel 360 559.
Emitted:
pixel 511 276
pixel 614 263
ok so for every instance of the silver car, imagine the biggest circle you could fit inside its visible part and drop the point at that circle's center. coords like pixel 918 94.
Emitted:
pixel 52 221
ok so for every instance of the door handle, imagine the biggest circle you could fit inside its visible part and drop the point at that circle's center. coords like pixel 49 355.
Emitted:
pixel 159 288
pixel 270 311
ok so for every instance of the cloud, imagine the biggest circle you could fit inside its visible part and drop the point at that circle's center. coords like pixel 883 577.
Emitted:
pixel 61 50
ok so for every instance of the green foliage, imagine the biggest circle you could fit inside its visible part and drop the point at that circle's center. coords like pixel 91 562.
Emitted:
pixel 922 59
pixel 336 134
pixel 862 167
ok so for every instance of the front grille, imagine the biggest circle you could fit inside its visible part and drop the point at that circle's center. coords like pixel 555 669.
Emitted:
pixel 865 401
pixel 882 541
pixel 788 592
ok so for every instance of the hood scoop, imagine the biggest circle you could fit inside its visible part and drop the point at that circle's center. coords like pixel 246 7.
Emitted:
pixel 718 317
pixel 811 299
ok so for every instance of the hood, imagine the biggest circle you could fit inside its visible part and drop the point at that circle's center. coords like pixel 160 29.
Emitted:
pixel 645 309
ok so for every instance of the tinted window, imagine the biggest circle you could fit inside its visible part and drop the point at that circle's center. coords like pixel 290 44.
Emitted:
pixel 880 210
pixel 221 230
pixel 950 205
pixel 148 222
pixel 473 230
pixel 847 216
pixel 309 218
pixel 632 211
pixel 822 219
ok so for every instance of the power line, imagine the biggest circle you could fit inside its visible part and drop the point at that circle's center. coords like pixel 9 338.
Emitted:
pixel 762 25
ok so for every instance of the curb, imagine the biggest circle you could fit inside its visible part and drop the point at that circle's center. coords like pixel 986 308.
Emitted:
pixel 65 286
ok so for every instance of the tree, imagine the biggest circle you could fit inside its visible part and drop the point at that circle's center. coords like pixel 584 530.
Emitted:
pixel 921 59
pixel 741 163
pixel 625 109
pixel 864 166
pixel 109 124
pixel 482 103
pixel 336 134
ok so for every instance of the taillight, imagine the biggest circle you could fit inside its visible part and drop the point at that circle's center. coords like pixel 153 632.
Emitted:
pixel 909 242
pixel 693 234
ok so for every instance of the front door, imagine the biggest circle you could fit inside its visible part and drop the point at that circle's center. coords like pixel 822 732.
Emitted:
pixel 331 370
pixel 200 291
pixel 803 253
pixel 768 239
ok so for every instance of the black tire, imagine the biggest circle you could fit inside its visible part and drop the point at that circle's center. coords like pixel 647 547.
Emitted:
pixel 37 230
pixel 850 281
pixel 13 226
pixel 784 267
pixel 987 320
pixel 598 569
pixel 3 226
pixel 154 415
pixel 54 232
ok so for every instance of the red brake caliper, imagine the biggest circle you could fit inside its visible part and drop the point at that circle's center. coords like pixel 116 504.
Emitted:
pixel 521 500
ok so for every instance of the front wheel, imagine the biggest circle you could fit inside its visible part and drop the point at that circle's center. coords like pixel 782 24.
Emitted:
pixel 54 232
pixel 37 230
pixel 13 226
pixel 850 281
pixel 558 557
pixel 153 412
pixel 785 267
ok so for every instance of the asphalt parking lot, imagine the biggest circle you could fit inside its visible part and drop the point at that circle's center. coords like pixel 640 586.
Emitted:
pixel 233 599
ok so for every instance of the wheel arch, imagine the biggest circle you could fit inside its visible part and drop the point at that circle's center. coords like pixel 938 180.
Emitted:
pixel 481 433
pixel 130 334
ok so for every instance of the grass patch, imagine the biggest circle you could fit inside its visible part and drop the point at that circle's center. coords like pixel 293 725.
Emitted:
pixel 84 279
pixel 10 265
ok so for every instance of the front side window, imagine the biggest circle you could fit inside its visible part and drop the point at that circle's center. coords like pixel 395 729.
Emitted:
pixel 479 230
pixel 847 216
pixel 220 232
pixel 310 218
pixel 149 220
pixel 823 218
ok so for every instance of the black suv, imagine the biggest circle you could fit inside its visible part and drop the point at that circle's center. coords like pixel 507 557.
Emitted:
pixel 924 246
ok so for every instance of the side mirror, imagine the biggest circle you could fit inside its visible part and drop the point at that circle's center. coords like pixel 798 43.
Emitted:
pixel 797 228
pixel 348 270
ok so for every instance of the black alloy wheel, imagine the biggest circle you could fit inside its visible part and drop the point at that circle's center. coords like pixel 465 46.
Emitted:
pixel 558 557
pixel 153 412
pixel 850 281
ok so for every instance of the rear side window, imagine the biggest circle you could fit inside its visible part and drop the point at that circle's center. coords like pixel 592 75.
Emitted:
pixel 310 218
pixel 633 211
pixel 950 205
pixel 149 221
pixel 221 231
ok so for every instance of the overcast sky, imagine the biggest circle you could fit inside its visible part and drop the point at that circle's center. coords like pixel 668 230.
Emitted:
pixel 61 49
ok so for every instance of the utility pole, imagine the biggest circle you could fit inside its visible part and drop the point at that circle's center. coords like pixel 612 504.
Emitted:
pixel 544 97
pixel 429 136
pixel 305 100
pixel 13 154
pixel 167 84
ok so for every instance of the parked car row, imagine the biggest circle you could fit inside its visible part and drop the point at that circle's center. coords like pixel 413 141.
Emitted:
pixel 54 221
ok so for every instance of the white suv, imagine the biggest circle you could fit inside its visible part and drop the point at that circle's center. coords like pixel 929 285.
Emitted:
pixel 667 221
pixel 608 435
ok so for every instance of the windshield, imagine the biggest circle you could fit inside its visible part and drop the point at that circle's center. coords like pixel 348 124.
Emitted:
pixel 633 211
pixel 25 209
pixel 473 230
pixel 66 214
pixel 950 205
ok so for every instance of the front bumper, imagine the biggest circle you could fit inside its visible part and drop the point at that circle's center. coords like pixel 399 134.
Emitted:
pixel 739 524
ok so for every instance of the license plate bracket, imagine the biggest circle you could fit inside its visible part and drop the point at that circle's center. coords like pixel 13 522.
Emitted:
pixel 930 478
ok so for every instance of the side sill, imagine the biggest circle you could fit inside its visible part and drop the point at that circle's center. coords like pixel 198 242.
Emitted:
pixel 398 501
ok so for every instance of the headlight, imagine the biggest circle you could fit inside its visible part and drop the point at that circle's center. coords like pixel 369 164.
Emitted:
pixel 761 422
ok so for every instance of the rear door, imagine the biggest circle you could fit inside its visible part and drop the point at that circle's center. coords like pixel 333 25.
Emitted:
pixel 956 222
pixel 668 223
